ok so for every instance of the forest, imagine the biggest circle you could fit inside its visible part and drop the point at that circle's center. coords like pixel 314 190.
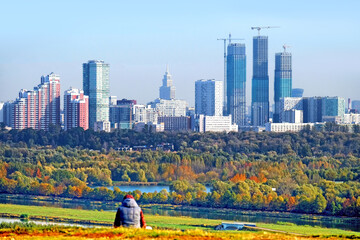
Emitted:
pixel 307 172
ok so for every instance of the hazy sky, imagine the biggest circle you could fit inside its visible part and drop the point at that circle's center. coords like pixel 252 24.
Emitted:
pixel 138 39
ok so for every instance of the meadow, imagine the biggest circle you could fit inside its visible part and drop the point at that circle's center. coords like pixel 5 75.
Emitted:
pixel 171 225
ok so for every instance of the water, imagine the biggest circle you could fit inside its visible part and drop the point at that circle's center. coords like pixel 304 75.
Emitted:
pixel 37 222
pixel 230 215
pixel 146 188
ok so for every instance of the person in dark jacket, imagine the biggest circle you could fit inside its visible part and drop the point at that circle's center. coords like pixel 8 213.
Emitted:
pixel 129 214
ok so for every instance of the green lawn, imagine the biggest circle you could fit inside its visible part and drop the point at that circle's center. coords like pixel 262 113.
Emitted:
pixel 159 221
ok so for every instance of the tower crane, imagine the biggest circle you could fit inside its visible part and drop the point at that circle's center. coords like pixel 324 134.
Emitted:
pixel 226 39
pixel 285 47
pixel 266 27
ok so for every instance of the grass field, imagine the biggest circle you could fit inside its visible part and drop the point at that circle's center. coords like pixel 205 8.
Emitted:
pixel 164 222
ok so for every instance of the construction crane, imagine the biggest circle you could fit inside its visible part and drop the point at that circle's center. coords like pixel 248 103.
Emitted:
pixel 259 28
pixel 285 47
pixel 226 39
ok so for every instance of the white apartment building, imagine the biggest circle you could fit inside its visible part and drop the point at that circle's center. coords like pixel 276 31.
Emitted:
pixel 287 127
pixel 209 97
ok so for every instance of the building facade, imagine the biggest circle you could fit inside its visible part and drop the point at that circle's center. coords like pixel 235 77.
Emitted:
pixel 96 86
pixel 209 97
pixel 169 108
pixel 260 82
pixel 287 127
pixel 177 124
pixel 76 109
pixel 297 92
pixel 167 90
pixel 38 108
pixel 202 123
pixel 283 81
pixel 121 114
pixel 236 83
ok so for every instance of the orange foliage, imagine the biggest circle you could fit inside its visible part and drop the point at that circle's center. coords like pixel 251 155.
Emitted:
pixel 255 179
pixel 238 178
pixel 38 173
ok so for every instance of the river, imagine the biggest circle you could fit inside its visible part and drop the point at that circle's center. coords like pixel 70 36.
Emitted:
pixel 231 215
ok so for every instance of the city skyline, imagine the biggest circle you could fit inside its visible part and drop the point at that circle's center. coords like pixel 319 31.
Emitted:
pixel 187 41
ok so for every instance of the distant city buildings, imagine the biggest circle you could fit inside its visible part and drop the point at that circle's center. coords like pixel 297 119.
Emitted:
pixel 236 83
pixel 260 82
pixel 38 108
pixel 1 112
pixel 169 108
pixel 297 92
pixel 311 109
pixel 173 123
pixel 355 104
pixel 202 123
pixel 287 127
pixel 96 86
pixel 76 109
pixel 283 80
pixel 121 114
pixel 167 90
pixel 209 97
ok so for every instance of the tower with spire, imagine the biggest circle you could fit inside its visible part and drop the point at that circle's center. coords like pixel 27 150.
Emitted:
pixel 167 90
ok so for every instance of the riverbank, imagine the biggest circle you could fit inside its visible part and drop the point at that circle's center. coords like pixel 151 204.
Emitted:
pixel 191 211
pixel 158 222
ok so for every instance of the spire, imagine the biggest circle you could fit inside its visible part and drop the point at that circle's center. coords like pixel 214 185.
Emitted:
pixel 167 68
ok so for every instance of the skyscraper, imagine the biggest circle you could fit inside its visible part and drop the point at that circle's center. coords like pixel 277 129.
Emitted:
pixel 167 90
pixel 76 109
pixel 283 80
pixel 260 82
pixel 209 97
pixel 96 86
pixel 236 83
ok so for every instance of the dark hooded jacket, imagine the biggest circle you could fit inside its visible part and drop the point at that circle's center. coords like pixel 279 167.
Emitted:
pixel 129 214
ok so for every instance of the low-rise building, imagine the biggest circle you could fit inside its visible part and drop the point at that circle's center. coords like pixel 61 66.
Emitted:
pixel 287 127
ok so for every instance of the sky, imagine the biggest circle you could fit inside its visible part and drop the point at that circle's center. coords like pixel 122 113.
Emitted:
pixel 138 39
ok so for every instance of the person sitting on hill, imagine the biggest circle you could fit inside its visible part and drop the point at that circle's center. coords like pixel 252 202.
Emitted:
pixel 129 214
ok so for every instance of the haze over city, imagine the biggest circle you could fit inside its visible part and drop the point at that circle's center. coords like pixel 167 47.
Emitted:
pixel 139 39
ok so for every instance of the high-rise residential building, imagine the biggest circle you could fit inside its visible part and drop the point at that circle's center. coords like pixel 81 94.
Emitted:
pixel 167 90
pixel 169 108
pixel 96 86
pixel 76 109
pixel 283 80
pixel 260 82
pixel 37 108
pixel 297 92
pixel 209 97
pixel 236 83
pixel 121 114
pixel 8 113
pixel 144 114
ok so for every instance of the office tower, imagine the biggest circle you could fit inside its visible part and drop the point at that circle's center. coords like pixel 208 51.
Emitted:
pixel 297 92
pixel 283 80
pixel 288 106
pixel 355 104
pixel 167 90
pixel 76 109
pixel 144 114
pixel 260 82
pixel 96 86
pixel 121 114
pixel 333 107
pixel 236 83
pixel 209 97
pixel 169 108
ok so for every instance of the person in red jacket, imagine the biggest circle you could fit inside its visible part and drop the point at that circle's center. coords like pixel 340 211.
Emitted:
pixel 129 214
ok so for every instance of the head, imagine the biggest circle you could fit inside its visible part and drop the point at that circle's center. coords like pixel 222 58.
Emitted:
pixel 128 196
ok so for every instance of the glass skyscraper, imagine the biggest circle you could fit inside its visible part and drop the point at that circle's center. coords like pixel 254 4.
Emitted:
pixel 236 83
pixel 283 80
pixel 260 82
pixel 96 86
